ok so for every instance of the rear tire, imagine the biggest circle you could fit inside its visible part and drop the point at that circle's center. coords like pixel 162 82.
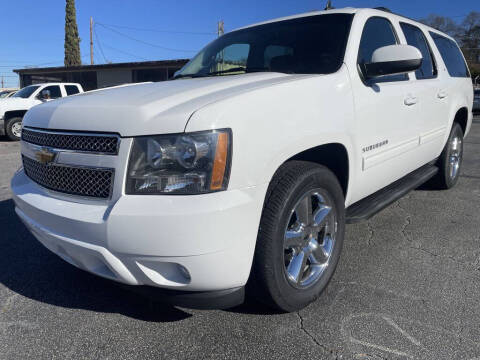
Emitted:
pixel 13 128
pixel 300 236
pixel 450 161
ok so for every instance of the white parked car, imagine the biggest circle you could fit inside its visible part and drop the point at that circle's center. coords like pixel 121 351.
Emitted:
pixel 13 108
pixel 245 169
pixel 4 94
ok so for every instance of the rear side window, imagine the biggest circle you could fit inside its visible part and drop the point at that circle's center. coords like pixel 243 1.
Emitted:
pixel 451 55
pixel 378 32
pixel 71 89
pixel 416 38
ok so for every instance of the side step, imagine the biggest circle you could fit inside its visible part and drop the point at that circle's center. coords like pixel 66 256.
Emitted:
pixel 366 208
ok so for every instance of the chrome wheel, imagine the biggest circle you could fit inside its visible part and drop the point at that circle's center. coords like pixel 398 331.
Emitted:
pixel 309 238
pixel 17 129
pixel 455 152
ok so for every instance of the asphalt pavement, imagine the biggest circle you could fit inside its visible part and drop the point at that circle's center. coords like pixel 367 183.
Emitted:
pixel 407 287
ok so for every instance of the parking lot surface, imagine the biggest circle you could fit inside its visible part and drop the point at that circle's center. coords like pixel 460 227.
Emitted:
pixel 407 287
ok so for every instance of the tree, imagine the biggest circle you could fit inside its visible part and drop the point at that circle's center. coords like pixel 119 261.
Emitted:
pixel 442 23
pixel 72 40
pixel 467 34
pixel 470 37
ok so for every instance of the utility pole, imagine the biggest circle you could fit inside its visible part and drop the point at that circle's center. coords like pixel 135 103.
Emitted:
pixel 220 29
pixel 2 82
pixel 91 40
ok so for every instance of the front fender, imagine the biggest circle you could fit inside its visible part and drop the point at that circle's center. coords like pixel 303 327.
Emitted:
pixel 272 124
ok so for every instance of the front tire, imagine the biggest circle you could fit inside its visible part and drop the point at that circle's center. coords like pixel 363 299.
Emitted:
pixel 300 236
pixel 450 161
pixel 13 128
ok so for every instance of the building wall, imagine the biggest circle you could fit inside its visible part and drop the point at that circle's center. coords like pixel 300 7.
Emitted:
pixel 107 78
pixel 92 77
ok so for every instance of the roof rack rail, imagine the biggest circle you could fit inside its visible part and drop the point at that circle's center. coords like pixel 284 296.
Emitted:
pixel 383 8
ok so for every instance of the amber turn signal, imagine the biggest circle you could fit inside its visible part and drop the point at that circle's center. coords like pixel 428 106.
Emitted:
pixel 220 162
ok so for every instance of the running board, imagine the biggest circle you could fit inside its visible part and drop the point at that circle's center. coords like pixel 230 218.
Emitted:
pixel 371 205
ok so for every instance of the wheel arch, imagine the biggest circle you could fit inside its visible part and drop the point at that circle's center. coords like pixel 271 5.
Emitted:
pixel 461 118
pixel 333 156
pixel 14 113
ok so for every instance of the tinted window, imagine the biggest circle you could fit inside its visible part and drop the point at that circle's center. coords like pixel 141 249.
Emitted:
pixel 308 45
pixel 451 55
pixel 273 51
pixel 416 38
pixel 378 32
pixel 26 92
pixel 71 89
pixel 54 91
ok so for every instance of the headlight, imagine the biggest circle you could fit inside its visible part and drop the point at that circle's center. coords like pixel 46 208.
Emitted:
pixel 192 163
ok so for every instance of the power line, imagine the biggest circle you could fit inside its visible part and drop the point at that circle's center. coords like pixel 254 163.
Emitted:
pixel 142 41
pixel 125 52
pixel 159 31
pixel 99 44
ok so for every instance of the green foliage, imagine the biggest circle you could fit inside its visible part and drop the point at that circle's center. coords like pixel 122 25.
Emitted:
pixel 72 40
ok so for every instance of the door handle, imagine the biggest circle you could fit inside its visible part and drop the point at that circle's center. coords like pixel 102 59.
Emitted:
pixel 410 100
pixel 442 94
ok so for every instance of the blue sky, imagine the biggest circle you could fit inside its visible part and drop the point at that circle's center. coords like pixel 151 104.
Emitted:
pixel 33 31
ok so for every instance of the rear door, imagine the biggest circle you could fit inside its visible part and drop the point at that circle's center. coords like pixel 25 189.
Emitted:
pixel 456 81
pixel 432 95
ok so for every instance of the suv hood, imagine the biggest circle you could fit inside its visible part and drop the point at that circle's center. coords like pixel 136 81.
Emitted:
pixel 145 109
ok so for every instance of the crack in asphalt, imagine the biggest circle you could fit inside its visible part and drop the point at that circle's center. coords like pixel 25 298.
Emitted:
pixel 371 233
pixel 332 352
pixel 405 235
pixel 367 356
pixel 407 222
pixel 470 176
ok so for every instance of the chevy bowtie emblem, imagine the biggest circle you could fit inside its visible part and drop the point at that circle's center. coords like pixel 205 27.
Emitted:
pixel 45 156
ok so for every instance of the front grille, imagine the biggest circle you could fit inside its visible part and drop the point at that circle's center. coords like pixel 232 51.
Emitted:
pixel 107 144
pixel 71 180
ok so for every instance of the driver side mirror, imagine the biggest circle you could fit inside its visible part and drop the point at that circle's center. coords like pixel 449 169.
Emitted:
pixel 392 60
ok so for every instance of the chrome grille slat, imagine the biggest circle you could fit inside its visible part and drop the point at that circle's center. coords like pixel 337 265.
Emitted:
pixel 105 144
pixel 80 181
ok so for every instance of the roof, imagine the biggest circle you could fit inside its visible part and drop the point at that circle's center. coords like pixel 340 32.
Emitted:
pixel 138 65
pixel 54 83
pixel 347 10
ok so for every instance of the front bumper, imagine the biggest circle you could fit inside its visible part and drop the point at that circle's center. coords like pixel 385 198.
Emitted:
pixel 191 243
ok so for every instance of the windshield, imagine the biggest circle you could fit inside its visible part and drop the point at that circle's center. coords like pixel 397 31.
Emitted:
pixel 4 94
pixel 26 92
pixel 308 45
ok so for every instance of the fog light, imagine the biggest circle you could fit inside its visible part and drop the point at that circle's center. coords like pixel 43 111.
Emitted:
pixel 184 272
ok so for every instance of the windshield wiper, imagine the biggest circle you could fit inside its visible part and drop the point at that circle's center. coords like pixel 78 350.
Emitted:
pixel 226 71
pixel 182 76
pixel 238 69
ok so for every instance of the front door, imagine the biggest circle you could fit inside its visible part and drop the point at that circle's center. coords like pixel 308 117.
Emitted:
pixel 387 110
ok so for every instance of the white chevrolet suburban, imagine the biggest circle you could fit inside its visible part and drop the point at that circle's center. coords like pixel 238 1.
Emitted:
pixel 14 108
pixel 239 175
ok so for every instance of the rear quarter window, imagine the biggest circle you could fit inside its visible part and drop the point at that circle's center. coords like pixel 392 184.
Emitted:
pixel 451 55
